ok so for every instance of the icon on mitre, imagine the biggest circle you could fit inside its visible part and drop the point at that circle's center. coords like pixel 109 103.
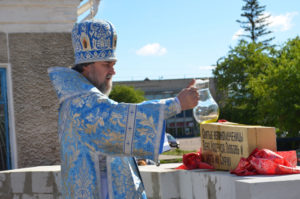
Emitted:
pixel 85 42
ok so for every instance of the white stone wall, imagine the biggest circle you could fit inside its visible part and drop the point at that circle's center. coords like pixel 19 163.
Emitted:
pixel 162 182
pixel 31 183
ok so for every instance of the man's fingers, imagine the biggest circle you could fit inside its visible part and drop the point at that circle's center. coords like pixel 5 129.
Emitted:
pixel 193 89
pixel 191 84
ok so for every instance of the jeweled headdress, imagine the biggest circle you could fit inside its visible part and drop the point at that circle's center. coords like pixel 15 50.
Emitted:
pixel 94 40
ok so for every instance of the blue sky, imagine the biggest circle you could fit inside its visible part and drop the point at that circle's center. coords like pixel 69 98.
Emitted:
pixel 171 39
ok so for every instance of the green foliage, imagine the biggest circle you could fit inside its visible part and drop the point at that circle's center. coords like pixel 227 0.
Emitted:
pixel 176 160
pixel 244 62
pixel 177 152
pixel 261 86
pixel 279 90
pixel 127 94
pixel 255 23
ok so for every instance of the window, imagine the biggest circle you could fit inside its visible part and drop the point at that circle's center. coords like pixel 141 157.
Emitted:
pixel 4 130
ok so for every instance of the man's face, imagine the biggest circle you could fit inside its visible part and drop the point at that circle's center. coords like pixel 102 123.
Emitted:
pixel 100 75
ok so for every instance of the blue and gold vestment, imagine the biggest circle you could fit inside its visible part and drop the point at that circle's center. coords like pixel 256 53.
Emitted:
pixel 99 138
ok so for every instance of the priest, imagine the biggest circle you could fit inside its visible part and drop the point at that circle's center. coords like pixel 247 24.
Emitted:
pixel 99 137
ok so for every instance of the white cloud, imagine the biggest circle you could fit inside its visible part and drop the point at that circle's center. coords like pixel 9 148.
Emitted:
pixel 207 67
pixel 282 22
pixel 152 49
pixel 237 34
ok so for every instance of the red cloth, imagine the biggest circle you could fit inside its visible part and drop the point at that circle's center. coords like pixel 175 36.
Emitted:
pixel 267 162
pixel 193 161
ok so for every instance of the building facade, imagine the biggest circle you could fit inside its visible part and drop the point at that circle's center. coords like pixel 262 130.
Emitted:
pixel 34 35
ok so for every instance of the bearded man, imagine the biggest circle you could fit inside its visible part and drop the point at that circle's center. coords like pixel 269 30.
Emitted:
pixel 99 137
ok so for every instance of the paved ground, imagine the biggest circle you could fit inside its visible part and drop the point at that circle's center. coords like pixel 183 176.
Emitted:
pixel 186 144
pixel 190 144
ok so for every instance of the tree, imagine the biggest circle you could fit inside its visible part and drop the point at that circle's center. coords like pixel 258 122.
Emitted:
pixel 256 22
pixel 279 90
pixel 232 73
pixel 128 94
pixel 244 62
pixel 259 84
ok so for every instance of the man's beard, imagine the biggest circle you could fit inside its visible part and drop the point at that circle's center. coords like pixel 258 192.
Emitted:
pixel 105 88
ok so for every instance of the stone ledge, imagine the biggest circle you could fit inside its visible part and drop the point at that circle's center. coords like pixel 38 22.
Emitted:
pixel 30 183
pixel 166 182
pixel 55 168
pixel 163 182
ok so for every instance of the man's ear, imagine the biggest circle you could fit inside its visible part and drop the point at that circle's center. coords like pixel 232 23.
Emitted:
pixel 85 70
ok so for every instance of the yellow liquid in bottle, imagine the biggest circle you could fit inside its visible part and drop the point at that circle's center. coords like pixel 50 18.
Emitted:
pixel 210 118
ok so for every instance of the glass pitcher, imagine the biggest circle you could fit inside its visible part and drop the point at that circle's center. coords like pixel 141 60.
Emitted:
pixel 207 109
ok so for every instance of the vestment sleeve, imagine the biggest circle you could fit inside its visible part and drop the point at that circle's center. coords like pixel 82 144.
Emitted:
pixel 112 128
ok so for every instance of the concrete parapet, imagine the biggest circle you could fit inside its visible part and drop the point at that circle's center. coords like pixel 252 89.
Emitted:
pixel 286 186
pixel 163 182
pixel 187 184
pixel 166 182
pixel 31 183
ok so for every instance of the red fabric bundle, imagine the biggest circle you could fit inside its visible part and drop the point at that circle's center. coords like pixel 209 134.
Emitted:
pixel 267 162
pixel 193 161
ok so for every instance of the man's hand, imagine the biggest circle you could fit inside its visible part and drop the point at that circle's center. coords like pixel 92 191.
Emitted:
pixel 188 97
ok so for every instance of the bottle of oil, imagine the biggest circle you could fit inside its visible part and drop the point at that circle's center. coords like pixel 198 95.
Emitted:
pixel 207 109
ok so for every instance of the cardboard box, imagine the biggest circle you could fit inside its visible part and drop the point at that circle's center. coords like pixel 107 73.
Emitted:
pixel 223 144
